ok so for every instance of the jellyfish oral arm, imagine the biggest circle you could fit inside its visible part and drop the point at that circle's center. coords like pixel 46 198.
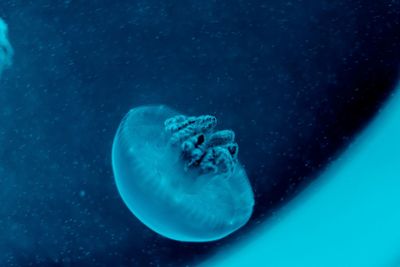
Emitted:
pixel 202 148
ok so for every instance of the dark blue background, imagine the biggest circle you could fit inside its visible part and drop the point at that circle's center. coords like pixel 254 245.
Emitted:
pixel 294 79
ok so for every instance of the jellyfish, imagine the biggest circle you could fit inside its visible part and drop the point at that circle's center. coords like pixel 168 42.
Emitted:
pixel 179 175
pixel 6 50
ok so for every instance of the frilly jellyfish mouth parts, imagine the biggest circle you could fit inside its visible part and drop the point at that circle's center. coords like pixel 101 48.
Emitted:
pixel 201 148
pixel 179 176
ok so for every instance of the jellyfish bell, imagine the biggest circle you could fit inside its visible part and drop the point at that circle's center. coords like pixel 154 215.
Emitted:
pixel 179 176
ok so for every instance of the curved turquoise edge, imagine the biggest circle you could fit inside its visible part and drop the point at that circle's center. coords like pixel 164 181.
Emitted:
pixel 349 217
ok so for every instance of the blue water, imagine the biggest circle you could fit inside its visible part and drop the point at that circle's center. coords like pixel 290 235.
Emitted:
pixel 349 217
pixel 297 81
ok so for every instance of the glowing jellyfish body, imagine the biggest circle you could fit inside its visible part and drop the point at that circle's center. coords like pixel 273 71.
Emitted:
pixel 178 176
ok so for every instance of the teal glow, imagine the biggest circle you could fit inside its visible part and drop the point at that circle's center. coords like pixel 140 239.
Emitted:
pixel 349 217
pixel 152 181
pixel 6 50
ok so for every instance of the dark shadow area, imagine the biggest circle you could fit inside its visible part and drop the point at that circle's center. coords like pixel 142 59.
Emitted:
pixel 296 81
